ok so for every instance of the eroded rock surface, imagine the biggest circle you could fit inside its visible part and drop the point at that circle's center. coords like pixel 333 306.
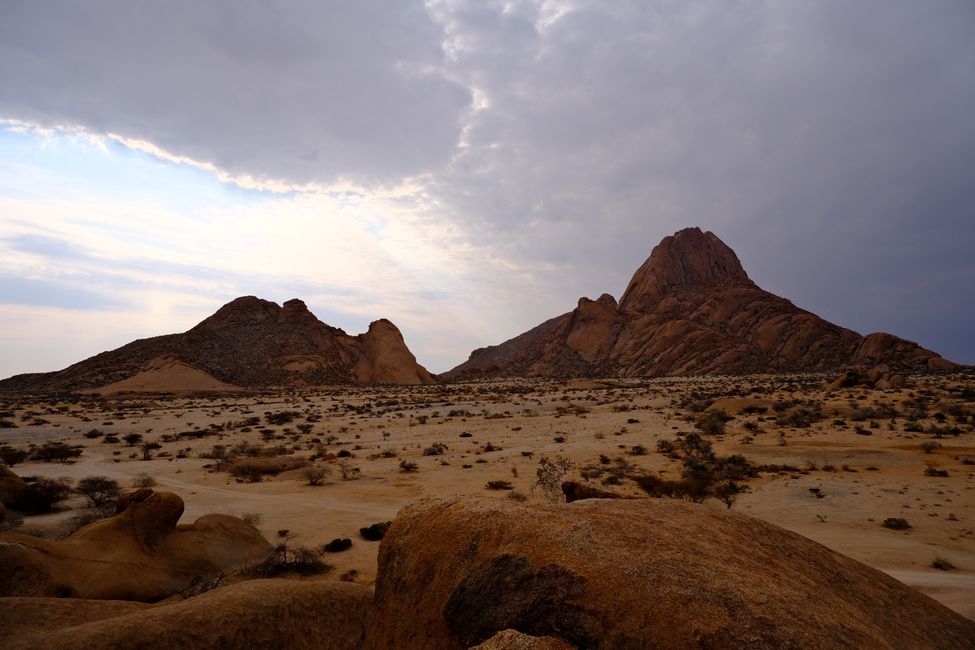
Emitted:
pixel 138 554
pixel 608 573
pixel 255 614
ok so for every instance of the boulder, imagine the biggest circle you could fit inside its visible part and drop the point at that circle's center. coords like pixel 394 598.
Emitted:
pixel 607 573
pixel 514 640
pixel 138 554
pixel 253 614
pixel 11 485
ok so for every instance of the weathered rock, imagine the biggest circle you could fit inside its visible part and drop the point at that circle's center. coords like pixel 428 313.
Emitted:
pixel 577 491
pixel 635 574
pixel 247 343
pixel 255 614
pixel 138 554
pixel 689 309
pixel 11 486
pixel 514 640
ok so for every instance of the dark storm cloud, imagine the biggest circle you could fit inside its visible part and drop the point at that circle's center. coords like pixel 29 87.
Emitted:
pixel 301 91
pixel 830 143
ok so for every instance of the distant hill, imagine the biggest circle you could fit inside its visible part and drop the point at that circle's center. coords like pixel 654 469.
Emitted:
pixel 247 343
pixel 689 309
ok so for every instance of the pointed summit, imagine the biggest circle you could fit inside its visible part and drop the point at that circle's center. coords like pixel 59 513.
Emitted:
pixel 688 259
pixel 689 309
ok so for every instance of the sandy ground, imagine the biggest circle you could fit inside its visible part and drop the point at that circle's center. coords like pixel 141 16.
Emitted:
pixel 852 469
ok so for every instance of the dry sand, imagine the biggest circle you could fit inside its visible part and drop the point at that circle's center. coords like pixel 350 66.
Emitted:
pixel 845 485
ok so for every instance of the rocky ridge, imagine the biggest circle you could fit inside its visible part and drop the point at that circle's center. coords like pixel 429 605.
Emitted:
pixel 689 309
pixel 247 343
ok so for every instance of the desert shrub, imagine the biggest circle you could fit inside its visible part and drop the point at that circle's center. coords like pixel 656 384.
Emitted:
pixel 800 418
pixel 303 561
pixel 344 453
pixel 99 490
pixel 932 471
pixel 41 495
pixel 10 456
pixel 148 448
pixel 638 450
pixel 348 470
pixel 466 434
pixel 549 475
pixel 56 451
pixel 942 564
pixel 132 439
pixel 712 423
pixel 408 466
pixel 110 439
pixel 896 523
pixel 337 545
pixel 515 495
pixel 666 446
pixel 499 485
pixel 94 433
pixel 375 532
pixel 315 474
pixel 143 480
pixel 929 445
pixel 281 417
pixel 200 585
pixel 252 518
pixel 436 449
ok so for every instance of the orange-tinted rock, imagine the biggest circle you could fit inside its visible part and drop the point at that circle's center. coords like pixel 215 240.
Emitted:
pixel 139 554
pixel 608 573
pixel 514 640
pixel 247 343
pixel 689 309
pixel 255 614
pixel 11 485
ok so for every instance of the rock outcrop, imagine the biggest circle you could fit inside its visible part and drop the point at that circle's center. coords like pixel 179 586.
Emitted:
pixel 11 486
pixel 608 573
pixel 247 343
pixel 689 309
pixel 255 614
pixel 138 554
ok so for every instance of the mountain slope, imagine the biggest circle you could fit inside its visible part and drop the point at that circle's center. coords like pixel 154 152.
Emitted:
pixel 251 342
pixel 689 309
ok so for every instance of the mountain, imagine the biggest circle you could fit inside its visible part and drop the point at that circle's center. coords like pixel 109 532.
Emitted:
pixel 689 309
pixel 247 343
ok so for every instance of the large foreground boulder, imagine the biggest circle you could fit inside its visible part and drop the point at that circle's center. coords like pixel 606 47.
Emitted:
pixel 635 574
pixel 254 614
pixel 138 554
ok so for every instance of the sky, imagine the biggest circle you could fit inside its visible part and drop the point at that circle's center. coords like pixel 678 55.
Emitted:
pixel 470 168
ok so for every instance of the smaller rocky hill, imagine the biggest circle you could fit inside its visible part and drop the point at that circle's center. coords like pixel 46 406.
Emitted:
pixel 247 343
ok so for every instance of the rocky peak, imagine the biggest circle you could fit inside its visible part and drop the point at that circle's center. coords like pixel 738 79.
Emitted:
pixel 689 258
pixel 246 310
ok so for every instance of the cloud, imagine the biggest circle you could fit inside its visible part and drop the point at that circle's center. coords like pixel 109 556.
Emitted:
pixel 505 158
pixel 306 91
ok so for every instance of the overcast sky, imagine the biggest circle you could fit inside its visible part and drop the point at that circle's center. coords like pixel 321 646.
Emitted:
pixel 469 168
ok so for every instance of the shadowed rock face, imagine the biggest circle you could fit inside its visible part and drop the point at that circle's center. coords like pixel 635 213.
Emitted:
pixel 316 615
pixel 138 554
pixel 251 343
pixel 689 309
pixel 608 573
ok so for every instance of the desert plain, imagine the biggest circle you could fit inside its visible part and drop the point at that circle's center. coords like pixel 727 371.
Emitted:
pixel 837 465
